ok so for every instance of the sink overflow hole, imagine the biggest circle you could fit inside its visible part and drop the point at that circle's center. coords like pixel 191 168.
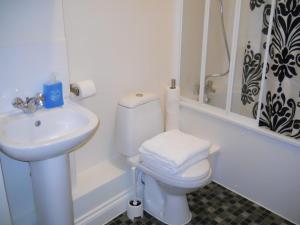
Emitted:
pixel 37 123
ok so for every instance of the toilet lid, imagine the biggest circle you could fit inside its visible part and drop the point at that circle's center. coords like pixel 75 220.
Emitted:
pixel 196 171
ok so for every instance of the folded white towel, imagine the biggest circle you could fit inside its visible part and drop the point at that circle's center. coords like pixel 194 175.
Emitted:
pixel 173 151
pixel 165 168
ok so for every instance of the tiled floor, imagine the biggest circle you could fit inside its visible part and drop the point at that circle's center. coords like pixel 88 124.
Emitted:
pixel 213 205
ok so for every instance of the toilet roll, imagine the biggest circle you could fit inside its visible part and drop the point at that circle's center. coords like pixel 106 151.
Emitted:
pixel 86 88
pixel 172 108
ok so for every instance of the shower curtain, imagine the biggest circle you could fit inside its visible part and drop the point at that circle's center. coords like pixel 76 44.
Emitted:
pixel 280 109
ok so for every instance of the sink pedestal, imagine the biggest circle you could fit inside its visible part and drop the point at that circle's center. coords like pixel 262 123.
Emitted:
pixel 52 191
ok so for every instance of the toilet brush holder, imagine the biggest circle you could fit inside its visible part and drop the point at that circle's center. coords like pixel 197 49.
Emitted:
pixel 135 209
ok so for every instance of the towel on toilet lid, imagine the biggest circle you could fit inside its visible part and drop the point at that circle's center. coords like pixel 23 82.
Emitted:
pixel 173 151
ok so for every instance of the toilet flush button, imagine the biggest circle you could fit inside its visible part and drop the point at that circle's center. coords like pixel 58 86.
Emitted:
pixel 139 95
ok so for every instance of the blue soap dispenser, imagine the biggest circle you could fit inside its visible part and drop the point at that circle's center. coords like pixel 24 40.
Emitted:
pixel 53 93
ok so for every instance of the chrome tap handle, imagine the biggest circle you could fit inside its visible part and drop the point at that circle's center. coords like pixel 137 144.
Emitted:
pixel 18 103
pixel 39 101
pixel 30 105
pixel 209 86
pixel 29 100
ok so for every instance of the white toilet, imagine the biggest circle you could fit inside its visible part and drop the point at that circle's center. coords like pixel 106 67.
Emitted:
pixel 139 118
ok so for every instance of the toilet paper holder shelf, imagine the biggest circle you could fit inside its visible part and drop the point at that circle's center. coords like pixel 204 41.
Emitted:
pixel 74 89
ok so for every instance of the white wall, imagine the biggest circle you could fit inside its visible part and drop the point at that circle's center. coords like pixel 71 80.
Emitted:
pixel 32 46
pixel 263 169
pixel 124 46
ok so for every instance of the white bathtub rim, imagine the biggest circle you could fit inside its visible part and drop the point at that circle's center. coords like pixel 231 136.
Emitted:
pixel 236 119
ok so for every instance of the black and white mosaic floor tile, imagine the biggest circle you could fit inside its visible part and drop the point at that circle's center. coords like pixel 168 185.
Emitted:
pixel 215 205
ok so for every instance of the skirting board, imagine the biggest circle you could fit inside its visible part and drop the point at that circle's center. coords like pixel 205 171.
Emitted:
pixel 106 211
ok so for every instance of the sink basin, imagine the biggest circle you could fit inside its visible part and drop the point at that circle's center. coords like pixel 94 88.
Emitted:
pixel 45 133
pixel 44 139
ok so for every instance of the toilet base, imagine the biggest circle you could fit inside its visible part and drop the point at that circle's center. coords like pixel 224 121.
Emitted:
pixel 171 209
pixel 177 211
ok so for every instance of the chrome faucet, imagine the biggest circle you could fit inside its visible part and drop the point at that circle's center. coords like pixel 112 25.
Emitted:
pixel 30 105
pixel 209 88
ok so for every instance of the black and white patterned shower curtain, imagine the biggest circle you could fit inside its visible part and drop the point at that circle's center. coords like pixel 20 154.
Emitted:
pixel 280 110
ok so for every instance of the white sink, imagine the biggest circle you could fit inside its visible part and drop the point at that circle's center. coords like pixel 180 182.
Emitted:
pixel 44 139
pixel 45 133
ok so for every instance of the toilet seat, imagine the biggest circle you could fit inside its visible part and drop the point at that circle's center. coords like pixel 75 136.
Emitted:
pixel 192 177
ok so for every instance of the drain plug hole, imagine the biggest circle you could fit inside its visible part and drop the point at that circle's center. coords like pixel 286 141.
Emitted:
pixel 37 123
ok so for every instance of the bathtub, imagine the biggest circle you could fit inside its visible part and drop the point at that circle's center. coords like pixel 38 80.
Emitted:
pixel 258 164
